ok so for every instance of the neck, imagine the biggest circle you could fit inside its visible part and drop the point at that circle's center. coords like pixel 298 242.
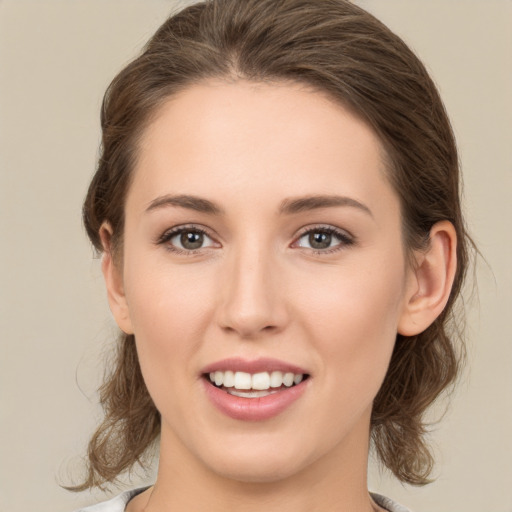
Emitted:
pixel 336 482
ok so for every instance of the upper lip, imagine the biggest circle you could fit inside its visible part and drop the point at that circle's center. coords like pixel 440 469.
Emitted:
pixel 264 364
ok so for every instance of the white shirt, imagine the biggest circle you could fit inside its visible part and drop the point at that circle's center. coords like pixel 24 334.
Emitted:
pixel 118 504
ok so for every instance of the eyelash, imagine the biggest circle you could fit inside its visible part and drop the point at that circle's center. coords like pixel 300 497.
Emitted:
pixel 168 235
pixel 345 239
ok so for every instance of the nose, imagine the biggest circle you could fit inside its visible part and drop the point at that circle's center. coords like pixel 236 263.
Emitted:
pixel 252 299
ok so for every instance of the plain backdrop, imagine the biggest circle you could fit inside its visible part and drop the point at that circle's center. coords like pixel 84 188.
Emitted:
pixel 56 59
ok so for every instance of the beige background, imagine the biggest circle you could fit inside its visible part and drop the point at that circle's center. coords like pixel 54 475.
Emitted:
pixel 56 58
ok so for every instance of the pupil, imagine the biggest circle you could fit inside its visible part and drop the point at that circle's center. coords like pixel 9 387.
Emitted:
pixel 320 240
pixel 191 240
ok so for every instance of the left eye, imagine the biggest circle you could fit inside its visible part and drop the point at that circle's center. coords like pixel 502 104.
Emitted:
pixel 321 239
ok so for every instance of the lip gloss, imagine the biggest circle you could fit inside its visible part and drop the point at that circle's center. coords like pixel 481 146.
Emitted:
pixel 254 409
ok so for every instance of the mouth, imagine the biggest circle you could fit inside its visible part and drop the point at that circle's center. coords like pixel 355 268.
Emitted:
pixel 254 385
pixel 254 390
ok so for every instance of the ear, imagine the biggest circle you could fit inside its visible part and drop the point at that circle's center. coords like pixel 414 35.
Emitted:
pixel 430 282
pixel 114 281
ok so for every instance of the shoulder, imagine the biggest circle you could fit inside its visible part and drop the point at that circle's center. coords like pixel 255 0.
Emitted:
pixel 388 504
pixel 117 504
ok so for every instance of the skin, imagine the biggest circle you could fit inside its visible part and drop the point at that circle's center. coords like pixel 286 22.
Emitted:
pixel 256 288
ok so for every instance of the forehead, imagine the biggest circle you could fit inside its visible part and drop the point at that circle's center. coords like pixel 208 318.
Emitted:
pixel 258 141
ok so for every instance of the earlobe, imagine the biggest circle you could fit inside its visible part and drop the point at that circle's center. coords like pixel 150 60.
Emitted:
pixel 114 282
pixel 432 281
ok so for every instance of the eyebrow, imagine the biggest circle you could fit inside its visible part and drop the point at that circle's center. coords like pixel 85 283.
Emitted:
pixel 300 204
pixel 198 204
pixel 288 206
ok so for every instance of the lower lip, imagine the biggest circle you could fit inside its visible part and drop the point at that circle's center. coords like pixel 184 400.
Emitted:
pixel 254 409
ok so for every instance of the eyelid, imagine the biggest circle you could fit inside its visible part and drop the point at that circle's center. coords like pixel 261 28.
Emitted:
pixel 345 237
pixel 177 230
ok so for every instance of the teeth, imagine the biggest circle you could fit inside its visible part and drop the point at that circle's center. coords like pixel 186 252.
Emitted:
pixel 276 379
pixel 251 394
pixel 261 380
pixel 258 382
pixel 242 380
pixel 229 379
pixel 288 379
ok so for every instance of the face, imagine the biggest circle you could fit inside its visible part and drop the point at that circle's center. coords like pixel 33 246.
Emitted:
pixel 262 239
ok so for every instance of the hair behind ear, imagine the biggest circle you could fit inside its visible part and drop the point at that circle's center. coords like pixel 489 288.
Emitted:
pixel 423 363
pixel 131 423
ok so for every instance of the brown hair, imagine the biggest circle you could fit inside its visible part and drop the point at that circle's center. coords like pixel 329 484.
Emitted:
pixel 339 49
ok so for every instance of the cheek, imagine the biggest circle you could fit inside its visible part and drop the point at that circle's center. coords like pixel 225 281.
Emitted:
pixel 168 320
pixel 351 321
pixel 164 299
pixel 353 318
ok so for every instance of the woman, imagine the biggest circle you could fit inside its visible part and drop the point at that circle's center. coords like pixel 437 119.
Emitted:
pixel 278 210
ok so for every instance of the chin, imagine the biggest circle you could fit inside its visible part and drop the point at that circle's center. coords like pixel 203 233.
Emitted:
pixel 255 473
pixel 259 465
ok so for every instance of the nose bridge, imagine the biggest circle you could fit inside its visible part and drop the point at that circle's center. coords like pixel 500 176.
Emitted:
pixel 252 299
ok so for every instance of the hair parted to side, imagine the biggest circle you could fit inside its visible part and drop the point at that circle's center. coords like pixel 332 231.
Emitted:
pixel 338 49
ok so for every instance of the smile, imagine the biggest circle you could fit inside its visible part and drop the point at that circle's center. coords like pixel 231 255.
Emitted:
pixel 256 385
pixel 253 390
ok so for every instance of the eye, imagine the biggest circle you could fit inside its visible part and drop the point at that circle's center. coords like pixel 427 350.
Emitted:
pixel 325 239
pixel 186 240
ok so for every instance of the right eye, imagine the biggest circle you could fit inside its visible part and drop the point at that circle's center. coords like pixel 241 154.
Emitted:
pixel 186 240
